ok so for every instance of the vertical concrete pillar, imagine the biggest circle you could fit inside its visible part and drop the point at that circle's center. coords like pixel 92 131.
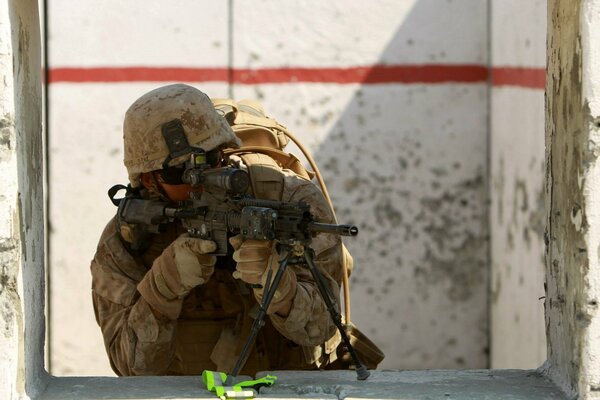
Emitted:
pixel 573 195
pixel 516 214
pixel 11 313
pixel 21 202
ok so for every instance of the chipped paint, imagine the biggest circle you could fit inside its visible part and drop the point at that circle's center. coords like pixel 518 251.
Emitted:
pixel 577 217
pixel 573 198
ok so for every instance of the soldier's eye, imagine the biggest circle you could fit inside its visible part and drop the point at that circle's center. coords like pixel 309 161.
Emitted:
pixel 213 157
pixel 171 175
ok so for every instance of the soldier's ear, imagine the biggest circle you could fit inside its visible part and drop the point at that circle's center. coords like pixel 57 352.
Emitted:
pixel 147 179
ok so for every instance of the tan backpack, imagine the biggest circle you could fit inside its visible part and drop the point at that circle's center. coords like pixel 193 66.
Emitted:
pixel 259 133
pixel 262 135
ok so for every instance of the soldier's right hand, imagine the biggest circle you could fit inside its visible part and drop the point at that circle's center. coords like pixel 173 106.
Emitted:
pixel 183 265
pixel 194 263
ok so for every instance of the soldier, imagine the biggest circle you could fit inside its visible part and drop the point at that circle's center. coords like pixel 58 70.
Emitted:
pixel 169 307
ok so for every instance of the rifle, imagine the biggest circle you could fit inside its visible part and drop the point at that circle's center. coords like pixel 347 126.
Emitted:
pixel 222 209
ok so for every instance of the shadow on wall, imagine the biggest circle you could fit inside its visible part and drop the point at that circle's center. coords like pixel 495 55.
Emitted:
pixel 407 164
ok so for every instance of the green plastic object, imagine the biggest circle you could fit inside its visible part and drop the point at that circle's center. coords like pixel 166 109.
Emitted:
pixel 215 382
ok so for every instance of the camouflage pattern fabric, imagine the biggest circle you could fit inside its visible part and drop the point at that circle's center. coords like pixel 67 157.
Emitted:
pixel 154 335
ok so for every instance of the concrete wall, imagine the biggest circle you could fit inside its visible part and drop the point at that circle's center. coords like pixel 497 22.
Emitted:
pixel 572 193
pixel 405 159
pixel 21 203
pixel 516 183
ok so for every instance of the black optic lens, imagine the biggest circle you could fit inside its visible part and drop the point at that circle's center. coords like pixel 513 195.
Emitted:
pixel 213 157
pixel 172 175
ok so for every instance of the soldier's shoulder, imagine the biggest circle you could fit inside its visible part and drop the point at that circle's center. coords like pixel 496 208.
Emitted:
pixel 112 256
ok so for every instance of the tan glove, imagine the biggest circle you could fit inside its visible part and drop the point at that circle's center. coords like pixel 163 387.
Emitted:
pixel 253 258
pixel 183 265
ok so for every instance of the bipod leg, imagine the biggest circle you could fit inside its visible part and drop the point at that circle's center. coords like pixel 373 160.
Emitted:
pixel 361 371
pixel 270 288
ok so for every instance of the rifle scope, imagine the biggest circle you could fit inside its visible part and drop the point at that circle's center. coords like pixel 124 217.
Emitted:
pixel 232 180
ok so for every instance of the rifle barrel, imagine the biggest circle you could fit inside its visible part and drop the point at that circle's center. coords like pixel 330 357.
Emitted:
pixel 343 230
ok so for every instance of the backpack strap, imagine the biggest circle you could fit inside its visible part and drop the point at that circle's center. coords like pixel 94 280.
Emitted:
pixel 266 178
pixel 283 159
pixel 249 122
pixel 226 108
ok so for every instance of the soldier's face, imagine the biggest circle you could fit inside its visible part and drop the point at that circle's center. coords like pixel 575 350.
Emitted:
pixel 176 191
pixel 169 185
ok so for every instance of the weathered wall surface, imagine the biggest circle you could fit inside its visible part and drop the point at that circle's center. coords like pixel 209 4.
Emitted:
pixel 406 161
pixel 11 317
pixel 516 185
pixel 566 253
pixel 21 203
pixel 573 183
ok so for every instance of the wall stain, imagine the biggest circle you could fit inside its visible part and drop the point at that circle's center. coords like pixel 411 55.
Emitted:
pixel 496 288
pixel 455 254
pixel 537 217
pixel 499 189
pixel 464 270
pixel 439 232
pixel 521 200
pixel 6 131
pixel 385 212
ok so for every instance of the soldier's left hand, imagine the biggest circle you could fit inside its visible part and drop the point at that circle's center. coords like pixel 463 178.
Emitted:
pixel 253 257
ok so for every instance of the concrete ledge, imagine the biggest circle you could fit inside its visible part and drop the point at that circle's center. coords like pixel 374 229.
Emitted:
pixel 431 384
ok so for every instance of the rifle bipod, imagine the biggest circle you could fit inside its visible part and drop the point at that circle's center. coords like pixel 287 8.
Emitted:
pixel 269 291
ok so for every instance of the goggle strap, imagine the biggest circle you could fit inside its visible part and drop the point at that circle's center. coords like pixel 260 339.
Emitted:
pixel 175 139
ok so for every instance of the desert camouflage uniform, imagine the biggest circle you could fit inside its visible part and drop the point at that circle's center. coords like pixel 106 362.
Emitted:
pixel 206 329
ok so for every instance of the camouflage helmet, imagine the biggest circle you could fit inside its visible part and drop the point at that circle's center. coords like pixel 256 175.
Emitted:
pixel 145 147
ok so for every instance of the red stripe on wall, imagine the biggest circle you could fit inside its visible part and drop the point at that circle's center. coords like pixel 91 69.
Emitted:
pixel 136 74
pixel 365 75
pixel 376 74
pixel 534 78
